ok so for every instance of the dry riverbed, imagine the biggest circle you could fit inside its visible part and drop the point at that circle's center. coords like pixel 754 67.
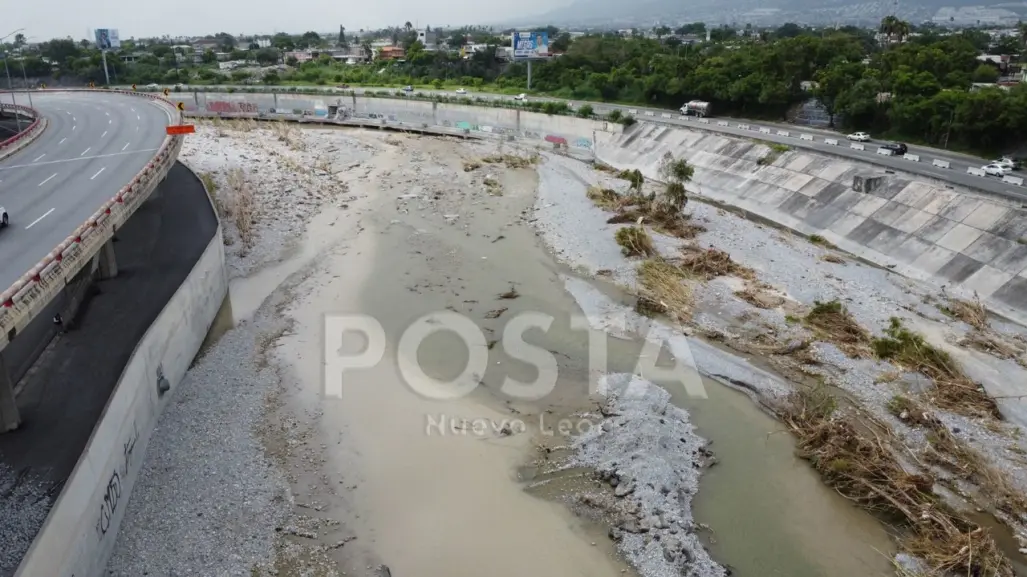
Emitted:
pixel 253 471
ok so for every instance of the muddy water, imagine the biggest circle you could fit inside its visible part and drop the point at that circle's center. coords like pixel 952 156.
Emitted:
pixel 448 501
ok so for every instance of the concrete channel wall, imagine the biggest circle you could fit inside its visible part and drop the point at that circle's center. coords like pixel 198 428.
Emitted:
pixel 969 241
pixel 79 533
pixel 577 133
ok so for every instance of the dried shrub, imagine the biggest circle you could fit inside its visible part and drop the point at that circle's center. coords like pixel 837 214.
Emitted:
pixel 972 312
pixel 833 323
pixel 833 258
pixel 512 160
pixel 955 391
pixel 664 289
pixel 238 204
pixel 854 455
pixel 710 263
pixel 635 241
pixel 760 298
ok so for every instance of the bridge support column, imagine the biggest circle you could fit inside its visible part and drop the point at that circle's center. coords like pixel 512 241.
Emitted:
pixel 9 417
pixel 108 262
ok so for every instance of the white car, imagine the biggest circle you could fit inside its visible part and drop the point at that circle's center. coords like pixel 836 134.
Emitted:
pixel 859 137
pixel 1006 162
pixel 153 86
pixel 408 88
pixel 3 217
pixel 995 169
pixel 522 96
pixel 461 91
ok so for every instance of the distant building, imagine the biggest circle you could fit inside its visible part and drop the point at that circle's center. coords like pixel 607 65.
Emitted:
pixel 427 39
pixel 391 53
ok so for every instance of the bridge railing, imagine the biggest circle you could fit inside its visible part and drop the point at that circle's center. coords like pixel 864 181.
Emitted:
pixel 16 142
pixel 30 293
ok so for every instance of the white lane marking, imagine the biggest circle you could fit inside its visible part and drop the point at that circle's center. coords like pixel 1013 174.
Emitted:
pixel 33 223
pixel 48 179
pixel 80 158
pixel 85 151
pixel 137 117
pixel 62 140
pixel 104 134
pixel 107 113
pixel 165 110
pixel 132 109
pixel 110 121
pixel 40 157
pixel 68 112
pixel 126 146
pixel 74 126
pixel 97 173
pixel 73 119
pixel 137 128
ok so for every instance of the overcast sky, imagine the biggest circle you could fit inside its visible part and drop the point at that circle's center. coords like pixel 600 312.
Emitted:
pixel 45 19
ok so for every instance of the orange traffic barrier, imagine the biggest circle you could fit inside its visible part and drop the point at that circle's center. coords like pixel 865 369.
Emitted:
pixel 181 129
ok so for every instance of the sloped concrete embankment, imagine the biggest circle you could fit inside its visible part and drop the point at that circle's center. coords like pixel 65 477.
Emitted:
pixel 81 529
pixel 963 240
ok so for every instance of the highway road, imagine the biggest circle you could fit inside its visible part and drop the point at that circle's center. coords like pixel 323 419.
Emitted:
pixel 955 174
pixel 94 144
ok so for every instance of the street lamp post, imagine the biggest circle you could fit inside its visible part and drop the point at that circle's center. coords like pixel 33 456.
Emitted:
pixel 24 76
pixel 10 86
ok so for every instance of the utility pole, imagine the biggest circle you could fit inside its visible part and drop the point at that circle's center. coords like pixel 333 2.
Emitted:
pixel 26 78
pixel 10 86
pixel 103 54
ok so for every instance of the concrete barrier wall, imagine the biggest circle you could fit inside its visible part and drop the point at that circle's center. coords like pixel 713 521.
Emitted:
pixel 79 534
pixel 565 130
pixel 924 229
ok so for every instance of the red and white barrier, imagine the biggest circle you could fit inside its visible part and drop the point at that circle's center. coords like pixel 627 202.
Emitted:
pixel 29 294
pixel 23 138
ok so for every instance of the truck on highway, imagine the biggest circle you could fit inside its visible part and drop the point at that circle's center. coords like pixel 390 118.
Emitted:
pixel 696 108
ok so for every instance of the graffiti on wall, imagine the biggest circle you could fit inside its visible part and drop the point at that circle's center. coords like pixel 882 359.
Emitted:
pixel 583 143
pixel 111 496
pixel 221 106
pixel 532 134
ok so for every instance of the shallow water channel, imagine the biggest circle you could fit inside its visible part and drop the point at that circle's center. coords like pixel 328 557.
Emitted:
pixel 768 512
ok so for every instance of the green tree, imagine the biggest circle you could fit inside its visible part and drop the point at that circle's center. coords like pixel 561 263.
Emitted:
pixel 986 73
pixel 342 38
pixel 209 57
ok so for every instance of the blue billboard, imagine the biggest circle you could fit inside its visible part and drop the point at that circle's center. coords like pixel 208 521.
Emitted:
pixel 531 44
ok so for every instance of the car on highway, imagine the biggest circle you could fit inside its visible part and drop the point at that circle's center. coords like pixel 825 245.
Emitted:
pixel 3 217
pixel 995 169
pixel 153 86
pixel 343 86
pixel 461 91
pixel 859 137
pixel 522 97
pixel 896 148
pixel 1006 162
pixel 408 88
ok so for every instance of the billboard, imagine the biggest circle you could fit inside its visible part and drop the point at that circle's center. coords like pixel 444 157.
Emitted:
pixel 107 38
pixel 531 44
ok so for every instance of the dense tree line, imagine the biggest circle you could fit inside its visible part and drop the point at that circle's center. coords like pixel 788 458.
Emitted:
pixel 901 84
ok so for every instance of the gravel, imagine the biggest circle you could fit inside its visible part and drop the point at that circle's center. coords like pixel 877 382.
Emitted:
pixel 23 510
pixel 207 497
pixel 649 452
pixel 577 232
pixel 291 174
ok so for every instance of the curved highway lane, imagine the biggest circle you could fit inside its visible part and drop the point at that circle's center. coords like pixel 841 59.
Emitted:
pixel 94 144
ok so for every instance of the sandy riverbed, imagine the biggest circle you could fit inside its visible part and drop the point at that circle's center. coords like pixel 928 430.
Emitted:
pixel 251 459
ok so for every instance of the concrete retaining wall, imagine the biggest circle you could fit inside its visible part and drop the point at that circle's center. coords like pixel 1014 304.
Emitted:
pixel 921 228
pixel 566 130
pixel 80 531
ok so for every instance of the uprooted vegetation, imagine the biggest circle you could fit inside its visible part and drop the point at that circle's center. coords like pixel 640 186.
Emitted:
pixel 954 390
pixel 857 456
pixel 237 204
pixel 709 263
pixel 952 454
pixel 775 151
pixel 663 289
pixel 981 336
pixel 635 241
pixel 832 322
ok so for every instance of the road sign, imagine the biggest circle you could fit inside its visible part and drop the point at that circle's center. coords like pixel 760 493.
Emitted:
pixel 181 106
pixel 133 88
pixel 181 129
pixel 42 84
pixel 166 91
pixel 92 84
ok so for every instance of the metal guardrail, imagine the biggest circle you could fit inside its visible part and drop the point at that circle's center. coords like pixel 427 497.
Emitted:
pixel 29 294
